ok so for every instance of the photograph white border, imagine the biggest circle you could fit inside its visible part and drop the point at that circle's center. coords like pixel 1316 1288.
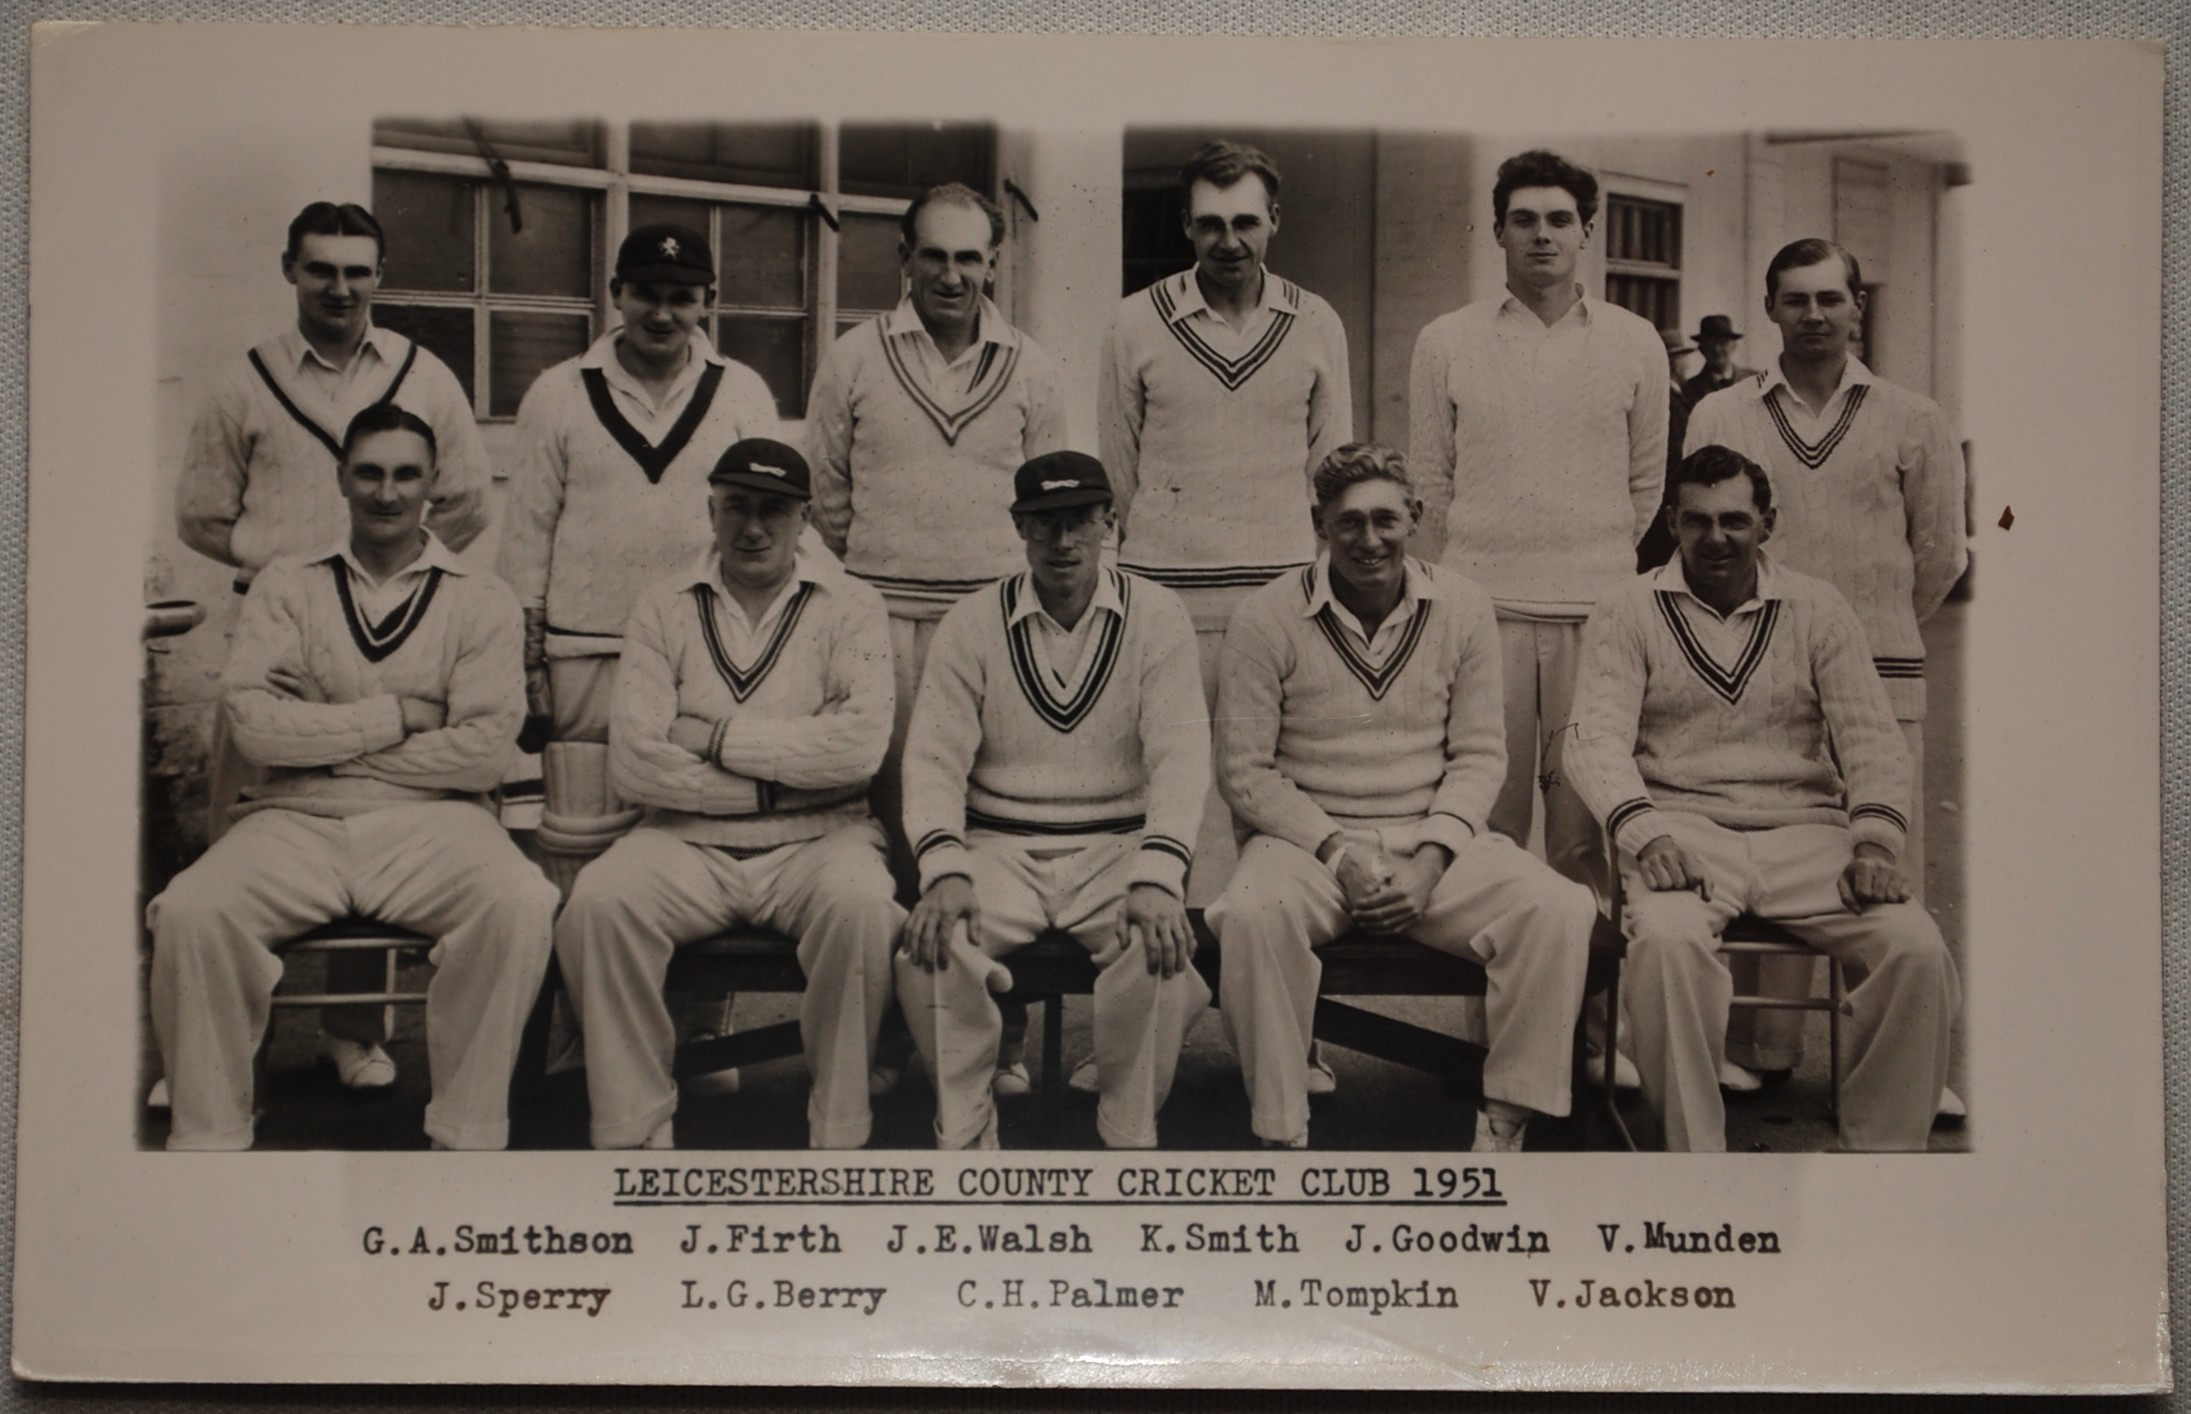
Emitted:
pixel 1921 1260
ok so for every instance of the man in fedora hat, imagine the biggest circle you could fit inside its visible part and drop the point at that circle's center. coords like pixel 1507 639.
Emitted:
pixel 1055 774
pixel 614 448
pixel 751 707
pixel 1716 338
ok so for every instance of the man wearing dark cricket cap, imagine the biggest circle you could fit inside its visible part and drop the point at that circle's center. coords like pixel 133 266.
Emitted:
pixel 1054 777
pixel 613 448
pixel 751 708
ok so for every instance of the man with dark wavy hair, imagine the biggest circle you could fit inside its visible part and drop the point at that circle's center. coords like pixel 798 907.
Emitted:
pixel 1538 434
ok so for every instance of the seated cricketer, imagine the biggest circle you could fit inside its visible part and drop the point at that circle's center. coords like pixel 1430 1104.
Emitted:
pixel 380 684
pixel 751 708
pixel 1735 739
pixel 1360 741
pixel 1054 777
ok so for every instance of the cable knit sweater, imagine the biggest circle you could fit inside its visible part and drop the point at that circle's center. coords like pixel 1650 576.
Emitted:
pixel 996 747
pixel 609 496
pixel 258 475
pixel 1772 716
pixel 1540 451
pixel 911 476
pixel 340 749
pixel 1210 435
pixel 797 731
pixel 1870 499
pixel 1314 734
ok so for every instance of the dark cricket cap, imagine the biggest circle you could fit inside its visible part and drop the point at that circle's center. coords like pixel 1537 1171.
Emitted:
pixel 762 464
pixel 666 252
pixel 1056 480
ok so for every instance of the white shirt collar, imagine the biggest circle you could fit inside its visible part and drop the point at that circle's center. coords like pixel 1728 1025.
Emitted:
pixel 990 328
pixel 707 569
pixel 1579 310
pixel 1106 597
pixel 1853 374
pixel 436 556
pixel 1769 583
pixel 601 354
pixel 1187 300
pixel 297 351
pixel 1416 584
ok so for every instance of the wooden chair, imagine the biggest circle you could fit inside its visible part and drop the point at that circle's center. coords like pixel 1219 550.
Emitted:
pixel 1754 937
pixel 1054 967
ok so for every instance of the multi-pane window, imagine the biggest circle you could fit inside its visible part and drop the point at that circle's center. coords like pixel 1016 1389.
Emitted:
pixel 1643 257
pixel 803 219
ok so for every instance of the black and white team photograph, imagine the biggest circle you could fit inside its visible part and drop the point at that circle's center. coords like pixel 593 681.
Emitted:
pixel 850 634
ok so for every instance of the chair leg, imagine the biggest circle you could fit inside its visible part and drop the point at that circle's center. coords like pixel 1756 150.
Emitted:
pixel 1611 1091
pixel 1837 989
pixel 1053 1048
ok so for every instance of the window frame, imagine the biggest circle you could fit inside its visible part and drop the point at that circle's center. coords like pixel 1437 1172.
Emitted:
pixel 1672 275
pixel 615 184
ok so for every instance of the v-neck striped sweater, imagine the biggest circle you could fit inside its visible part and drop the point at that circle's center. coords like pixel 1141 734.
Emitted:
pixel 912 482
pixel 1313 736
pixel 995 746
pixel 1871 502
pixel 1785 723
pixel 799 726
pixel 597 513
pixel 258 474
pixel 457 639
pixel 1210 451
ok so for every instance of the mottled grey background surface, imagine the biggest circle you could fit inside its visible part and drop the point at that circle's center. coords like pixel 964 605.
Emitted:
pixel 1836 19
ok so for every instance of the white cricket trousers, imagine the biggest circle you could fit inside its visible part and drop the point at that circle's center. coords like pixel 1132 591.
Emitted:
pixel 652 893
pixel 443 868
pixel 1496 905
pixel 1021 888
pixel 1678 986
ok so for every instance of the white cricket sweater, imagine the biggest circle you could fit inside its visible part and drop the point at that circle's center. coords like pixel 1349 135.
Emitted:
pixel 1869 498
pixel 995 747
pixel 1772 716
pixel 799 728
pixel 1317 734
pixel 1540 452
pixel 258 475
pixel 608 496
pixel 1209 435
pixel 456 638
pixel 913 472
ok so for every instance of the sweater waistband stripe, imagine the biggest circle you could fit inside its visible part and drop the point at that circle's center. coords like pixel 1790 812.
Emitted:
pixel 998 824
pixel 1211 577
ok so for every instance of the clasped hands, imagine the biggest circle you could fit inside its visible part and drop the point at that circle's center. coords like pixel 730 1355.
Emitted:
pixel 1386 889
